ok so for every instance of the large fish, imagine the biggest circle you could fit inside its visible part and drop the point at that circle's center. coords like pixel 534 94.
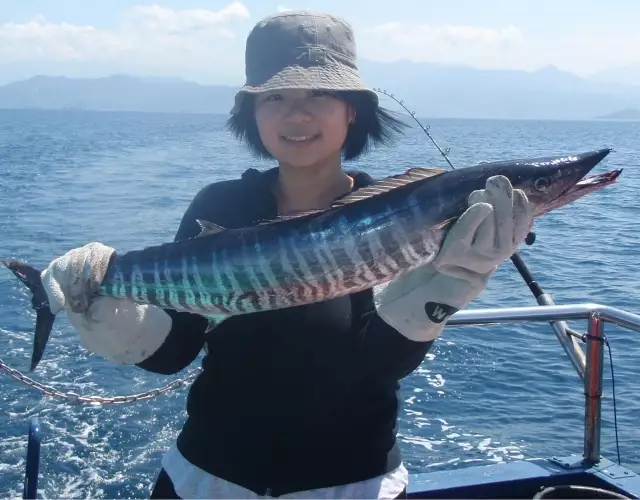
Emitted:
pixel 371 236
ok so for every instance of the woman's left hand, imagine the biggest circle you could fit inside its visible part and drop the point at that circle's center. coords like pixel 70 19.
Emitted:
pixel 497 221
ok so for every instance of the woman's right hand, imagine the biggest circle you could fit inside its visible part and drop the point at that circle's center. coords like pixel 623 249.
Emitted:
pixel 117 329
pixel 71 279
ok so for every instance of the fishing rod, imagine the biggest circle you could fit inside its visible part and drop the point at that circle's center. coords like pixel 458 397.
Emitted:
pixel 566 336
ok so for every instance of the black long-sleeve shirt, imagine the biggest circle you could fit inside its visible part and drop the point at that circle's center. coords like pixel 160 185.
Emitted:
pixel 291 399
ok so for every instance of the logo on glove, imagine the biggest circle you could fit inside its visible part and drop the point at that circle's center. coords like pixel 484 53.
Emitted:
pixel 438 313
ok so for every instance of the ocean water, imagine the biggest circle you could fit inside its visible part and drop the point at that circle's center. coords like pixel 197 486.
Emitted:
pixel 482 395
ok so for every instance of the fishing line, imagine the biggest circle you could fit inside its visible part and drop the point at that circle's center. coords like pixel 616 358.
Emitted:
pixel 520 265
pixel 444 153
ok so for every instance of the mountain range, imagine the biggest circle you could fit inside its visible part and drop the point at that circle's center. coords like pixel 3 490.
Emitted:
pixel 431 90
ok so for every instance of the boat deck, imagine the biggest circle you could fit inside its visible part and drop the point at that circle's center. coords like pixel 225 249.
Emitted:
pixel 526 479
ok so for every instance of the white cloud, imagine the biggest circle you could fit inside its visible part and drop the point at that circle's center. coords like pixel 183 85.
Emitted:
pixel 448 43
pixel 161 20
pixel 148 35
pixel 282 8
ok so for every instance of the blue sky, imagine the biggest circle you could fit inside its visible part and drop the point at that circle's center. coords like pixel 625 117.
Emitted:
pixel 203 40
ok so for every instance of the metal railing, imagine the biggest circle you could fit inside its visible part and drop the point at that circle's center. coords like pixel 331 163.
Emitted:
pixel 596 316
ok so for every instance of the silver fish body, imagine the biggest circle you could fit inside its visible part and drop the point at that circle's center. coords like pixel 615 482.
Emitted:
pixel 374 235
pixel 371 236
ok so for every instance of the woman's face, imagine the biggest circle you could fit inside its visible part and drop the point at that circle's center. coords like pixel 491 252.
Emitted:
pixel 302 128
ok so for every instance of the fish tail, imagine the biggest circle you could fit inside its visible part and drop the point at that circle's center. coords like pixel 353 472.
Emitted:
pixel 30 276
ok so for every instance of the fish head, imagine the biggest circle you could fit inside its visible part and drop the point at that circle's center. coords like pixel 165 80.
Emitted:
pixel 552 182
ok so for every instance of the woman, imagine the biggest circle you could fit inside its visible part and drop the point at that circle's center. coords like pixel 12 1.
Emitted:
pixel 299 402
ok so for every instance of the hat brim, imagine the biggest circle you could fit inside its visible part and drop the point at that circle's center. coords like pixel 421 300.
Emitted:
pixel 332 77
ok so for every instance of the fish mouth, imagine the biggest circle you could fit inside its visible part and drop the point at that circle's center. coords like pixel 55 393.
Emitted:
pixel 599 180
pixel 593 183
pixel 581 188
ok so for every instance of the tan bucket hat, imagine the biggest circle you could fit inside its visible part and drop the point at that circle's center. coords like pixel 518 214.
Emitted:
pixel 301 50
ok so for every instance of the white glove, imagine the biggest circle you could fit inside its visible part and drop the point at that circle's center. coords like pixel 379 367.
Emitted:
pixel 120 330
pixel 419 304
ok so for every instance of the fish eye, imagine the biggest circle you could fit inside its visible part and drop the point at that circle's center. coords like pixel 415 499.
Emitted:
pixel 541 184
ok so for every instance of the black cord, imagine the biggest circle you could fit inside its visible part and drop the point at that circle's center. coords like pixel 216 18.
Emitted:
pixel 613 390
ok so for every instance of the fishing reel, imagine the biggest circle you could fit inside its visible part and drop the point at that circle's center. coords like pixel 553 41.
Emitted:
pixel 530 239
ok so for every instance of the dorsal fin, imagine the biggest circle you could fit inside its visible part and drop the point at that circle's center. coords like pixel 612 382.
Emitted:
pixel 382 186
pixel 207 228
pixel 387 184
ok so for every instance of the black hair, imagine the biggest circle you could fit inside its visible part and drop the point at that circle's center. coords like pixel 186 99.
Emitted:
pixel 373 125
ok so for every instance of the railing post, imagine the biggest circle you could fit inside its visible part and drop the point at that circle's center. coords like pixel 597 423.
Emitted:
pixel 593 388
